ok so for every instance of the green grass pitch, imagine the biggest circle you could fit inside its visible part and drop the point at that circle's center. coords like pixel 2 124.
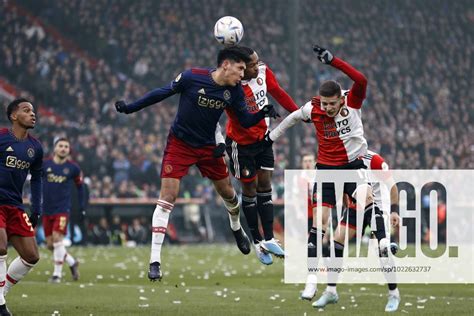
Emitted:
pixel 205 280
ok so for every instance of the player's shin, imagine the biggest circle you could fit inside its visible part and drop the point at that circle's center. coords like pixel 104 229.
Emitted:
pixel 16 271
pixel 249 206
pixel 233 205
pixel 265 210
pixel 59 251
pixel 159 225
pixel 3 273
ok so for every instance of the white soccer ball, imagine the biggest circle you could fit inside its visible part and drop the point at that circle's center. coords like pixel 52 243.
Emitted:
pixel 228 31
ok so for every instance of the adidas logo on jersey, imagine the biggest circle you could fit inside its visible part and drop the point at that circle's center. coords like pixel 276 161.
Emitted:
pixel 202 91
pixel 10 149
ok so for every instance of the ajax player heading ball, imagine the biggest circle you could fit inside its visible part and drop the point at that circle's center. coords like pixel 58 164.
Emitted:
pixel 228 31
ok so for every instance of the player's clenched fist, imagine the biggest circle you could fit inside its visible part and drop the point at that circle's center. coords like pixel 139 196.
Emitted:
pixel 121 106
pixel 270 111
pixel 323 54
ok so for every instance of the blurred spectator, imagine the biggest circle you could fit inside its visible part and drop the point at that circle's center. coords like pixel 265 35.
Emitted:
pixel 137 232
pixel 101 232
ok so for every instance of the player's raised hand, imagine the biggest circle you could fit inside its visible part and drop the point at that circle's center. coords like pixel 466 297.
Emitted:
pixel 121 106
pixel 219 151
pixel 34 219
pixel 270 111
pixel 323 54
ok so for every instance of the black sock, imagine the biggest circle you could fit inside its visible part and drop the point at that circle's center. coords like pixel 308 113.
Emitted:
pixel 313 241
pixel 265 210
pixel 249 206
pixel 392 286
pixel 338 249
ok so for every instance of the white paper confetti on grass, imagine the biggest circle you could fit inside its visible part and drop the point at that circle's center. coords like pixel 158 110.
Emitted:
pixel 343 307
pixel 272 298
pixel 141 290
pixel 187 291
pixel 24 295
pixel 282 300
pixel 82 286
pixel 237 299
pixel 176 302
pixel 166 291
pixel 408 304
pixel 432 297
pixel 183 284
pixel 404 311
pixel 363 289
pixel 420 307
pixel 218 293
pixel 143 298
pixel 143 305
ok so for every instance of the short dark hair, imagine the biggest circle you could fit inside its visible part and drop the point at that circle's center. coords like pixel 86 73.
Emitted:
pixel 234 53
pixel 247 50
pixel 330 88
pixel 13 106
pixel 60 139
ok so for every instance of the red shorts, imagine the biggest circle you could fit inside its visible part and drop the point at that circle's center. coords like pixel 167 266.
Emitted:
pixel 179 156
pixel 56 223
pixel 15 221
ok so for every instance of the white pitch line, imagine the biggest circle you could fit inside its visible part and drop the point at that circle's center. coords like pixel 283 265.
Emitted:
pixel 213 287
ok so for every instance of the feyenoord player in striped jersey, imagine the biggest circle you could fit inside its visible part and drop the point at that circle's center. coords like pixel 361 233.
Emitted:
pixel 336 115
pixel 252 163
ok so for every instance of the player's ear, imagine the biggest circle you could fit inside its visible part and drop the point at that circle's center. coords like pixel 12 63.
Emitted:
pixel 343 100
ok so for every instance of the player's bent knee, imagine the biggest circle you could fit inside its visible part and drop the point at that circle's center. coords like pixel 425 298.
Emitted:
pixel 168 197
pixel 32 258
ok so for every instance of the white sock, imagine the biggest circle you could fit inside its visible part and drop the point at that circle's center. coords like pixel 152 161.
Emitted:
pixel 394 292
pixel 160 219
pixel 331 289
pixel 3 274
pixel 69 259
pixel 59 252
pixel 16 271
pixel 233 208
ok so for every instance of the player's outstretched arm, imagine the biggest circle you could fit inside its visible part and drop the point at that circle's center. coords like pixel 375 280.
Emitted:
pixel 278 93
pixel 156 95
pixel 357 93
pixel 302 114
pixel 247 119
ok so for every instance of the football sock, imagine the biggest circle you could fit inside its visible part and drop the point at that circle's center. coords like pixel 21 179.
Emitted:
pixel 338 251
pixel 232 205
pixel 249 206
pixel 16 271
pixel 313 241
pixel 69 259
pixel 3 273
pixel 160 219
pixel 59 251
pixel 394 292
pixel 265 210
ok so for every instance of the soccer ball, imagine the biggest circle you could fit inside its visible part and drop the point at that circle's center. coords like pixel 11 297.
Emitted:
pixel 228 31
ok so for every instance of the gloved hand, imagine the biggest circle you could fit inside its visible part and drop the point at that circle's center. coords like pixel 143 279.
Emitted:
pixel 323 54
pixel 270 111
pixel 219 151
pixel 121 106
pixel 34 219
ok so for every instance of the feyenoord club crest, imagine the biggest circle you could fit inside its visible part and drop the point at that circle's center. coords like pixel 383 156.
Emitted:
pixel 226 95
pixel 259 81
pixel 30 152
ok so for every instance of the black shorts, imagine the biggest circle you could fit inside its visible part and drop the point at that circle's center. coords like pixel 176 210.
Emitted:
pixel 245 160
pixel 328 192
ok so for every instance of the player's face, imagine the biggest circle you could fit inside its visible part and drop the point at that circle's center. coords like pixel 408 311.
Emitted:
pixel 307 162
pixel 24 115
pixel 62 149
pixel 331 105
pixel 233 72
pixel 252 68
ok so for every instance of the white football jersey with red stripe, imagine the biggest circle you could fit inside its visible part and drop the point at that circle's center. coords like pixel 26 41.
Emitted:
pixel 256 98
pixel 341 138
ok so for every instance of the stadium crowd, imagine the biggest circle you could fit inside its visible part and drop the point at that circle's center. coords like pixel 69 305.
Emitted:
pixel 77 57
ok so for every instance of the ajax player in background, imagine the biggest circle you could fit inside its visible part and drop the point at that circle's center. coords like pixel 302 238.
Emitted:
pixel 20 154
pixel 336 116
pixel 251 162
pixel 58 175
pixel 204 94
